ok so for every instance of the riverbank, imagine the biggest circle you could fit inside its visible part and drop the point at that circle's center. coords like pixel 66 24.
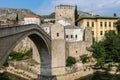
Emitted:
pixel 9 76
pixel 75 75
pixel 100 76
pixel 18 72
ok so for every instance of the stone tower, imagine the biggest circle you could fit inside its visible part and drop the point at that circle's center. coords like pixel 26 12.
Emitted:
pixel 58 49
pixel 66 13
pixel 88 35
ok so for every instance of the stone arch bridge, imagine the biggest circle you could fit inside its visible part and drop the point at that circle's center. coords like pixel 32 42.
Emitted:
pixel 11 36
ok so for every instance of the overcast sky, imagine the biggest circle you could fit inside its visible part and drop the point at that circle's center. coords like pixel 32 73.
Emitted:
pixel 44 7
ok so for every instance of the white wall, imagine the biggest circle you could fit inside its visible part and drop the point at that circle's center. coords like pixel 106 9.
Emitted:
pixel 47 29
pixel 32 21
pixel 74 32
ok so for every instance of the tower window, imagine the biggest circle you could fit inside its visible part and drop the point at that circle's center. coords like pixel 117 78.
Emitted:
pixel 57 34
pixel 66 36
pixel 71 36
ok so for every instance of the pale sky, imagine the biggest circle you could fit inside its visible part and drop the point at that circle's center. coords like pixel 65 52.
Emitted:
pixel 44 7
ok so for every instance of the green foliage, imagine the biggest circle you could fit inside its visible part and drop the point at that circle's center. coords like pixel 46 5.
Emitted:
pixel 70 61
pixel 99 50
pixel 112 46
pixel 109 67
pixel 52 21
pixel 100 62
pixel 84 58
pixel 6 63
pixel 9 76
pixel 76 14
pixel 17 56
pixel 118 68
pixel 16 19
pixel 107 50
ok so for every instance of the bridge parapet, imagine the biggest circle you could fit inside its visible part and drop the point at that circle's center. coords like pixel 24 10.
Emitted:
pixel 7 31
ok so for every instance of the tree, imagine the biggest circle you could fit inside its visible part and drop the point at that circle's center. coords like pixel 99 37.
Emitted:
pixel 118 68
pixel 112 46
pixel 84 58
pixel 70 61
pixel 17 19
pixel 76 14
pixel 99 53
pixel 107 50
pixel 99 49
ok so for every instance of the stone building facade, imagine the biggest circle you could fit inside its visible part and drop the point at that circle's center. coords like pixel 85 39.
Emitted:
pixel 99 24
pixel 73 33
pixel 77 44
pixel 77 48
pixel 66 13
pixel 32 19
pixel 58 49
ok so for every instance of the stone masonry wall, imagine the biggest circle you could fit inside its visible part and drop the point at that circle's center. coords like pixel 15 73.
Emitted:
pixel 76 49
pixel 65 12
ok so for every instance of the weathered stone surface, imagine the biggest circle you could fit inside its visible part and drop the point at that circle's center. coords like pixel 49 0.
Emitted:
pixel 23 45
pixel 66 13
pixel 11 36
pixel 76 49
pixel 58 49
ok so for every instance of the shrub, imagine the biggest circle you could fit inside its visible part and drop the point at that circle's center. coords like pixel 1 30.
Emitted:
pixel 84 58
pixel 17 56
pixel 70 61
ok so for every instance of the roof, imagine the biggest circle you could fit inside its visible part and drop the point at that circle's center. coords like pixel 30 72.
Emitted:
pixel 63 5
pixel 31 16
pixel 97 17
pixel 71 27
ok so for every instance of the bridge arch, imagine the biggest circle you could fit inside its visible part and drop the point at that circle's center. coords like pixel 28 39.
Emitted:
pixel 39 38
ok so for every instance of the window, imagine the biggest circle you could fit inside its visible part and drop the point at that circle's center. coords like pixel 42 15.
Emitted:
pixel 88 24
pixel 76 51
pixel 101 24
pixel 92 24
pixel 105 24
pixel 101 33
pixel 105 32
pixel 57 34
pixel 66 36
pixel 71 36
pixel 109 24
pixel 75 36
pixel 92 32
pixel 113 24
